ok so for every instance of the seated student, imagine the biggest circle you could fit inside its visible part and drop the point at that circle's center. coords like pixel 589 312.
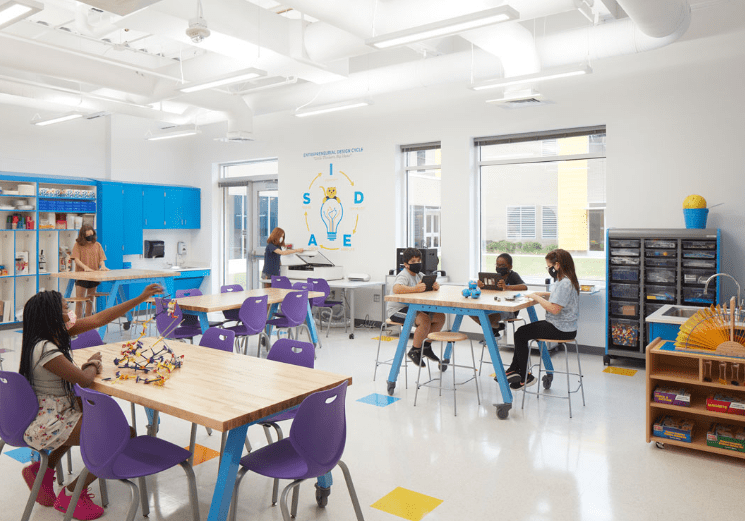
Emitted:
pixel 409 280
pixel 510 281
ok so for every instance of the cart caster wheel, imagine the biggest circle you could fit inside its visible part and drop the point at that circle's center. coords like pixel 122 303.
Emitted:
pixel 503 410
pixel 322 496
pixel 127 325
pixel 443 366
pixel 351 336
pixel 547 379
pixel 659 445
pixel 391 388
pixel 606 360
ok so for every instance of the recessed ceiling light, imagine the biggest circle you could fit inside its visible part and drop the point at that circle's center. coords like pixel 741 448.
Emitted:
pixel 332 107
pixel 13 11
pixel 548 74
pixel 227 79
pixel 59 118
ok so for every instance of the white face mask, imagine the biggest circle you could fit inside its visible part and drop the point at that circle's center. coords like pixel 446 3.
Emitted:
pixel 72 318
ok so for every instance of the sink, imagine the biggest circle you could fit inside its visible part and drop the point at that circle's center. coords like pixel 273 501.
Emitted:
pixel 680 312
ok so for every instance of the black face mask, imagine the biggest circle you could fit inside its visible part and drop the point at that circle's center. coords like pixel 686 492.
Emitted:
pixel 503 271
pixel 552 271
pixel 90 238
pixel 415 268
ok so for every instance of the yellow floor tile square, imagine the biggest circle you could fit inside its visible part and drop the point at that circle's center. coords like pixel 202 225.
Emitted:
pixel 202 454
pixel 620 370
pixel 407 504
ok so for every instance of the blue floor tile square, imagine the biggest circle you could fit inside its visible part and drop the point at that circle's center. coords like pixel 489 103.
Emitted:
pixel 23 454
pixel 381 400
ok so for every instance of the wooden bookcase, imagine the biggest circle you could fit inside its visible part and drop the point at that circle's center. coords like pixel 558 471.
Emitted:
pixel 686 369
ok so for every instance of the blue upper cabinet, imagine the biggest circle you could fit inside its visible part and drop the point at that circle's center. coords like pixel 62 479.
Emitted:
pixel 133 200
pixel 193 208
pixel 111 223
pixel 183 208
pixel 154 207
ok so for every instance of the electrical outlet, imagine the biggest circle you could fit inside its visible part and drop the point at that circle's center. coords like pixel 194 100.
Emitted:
pixel 376 298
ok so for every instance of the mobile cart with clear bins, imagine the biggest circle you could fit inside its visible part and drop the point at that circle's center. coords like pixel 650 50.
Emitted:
pixel 648 268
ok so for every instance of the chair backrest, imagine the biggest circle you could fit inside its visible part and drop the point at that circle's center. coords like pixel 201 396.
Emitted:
pixel 319 285
pixel 281 282
pixel 104 434
pixel 218 338
pixel 18 407
pixel 187 293
pixel 319 430
pixel 253 313
pixel 230 288
pixel 88 339
pixel 231 314
pixel 295 306
pixel 307 286
pixel 164 321
pixel 283 350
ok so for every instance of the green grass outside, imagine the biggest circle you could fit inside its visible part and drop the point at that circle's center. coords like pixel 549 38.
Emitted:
pixel 535 266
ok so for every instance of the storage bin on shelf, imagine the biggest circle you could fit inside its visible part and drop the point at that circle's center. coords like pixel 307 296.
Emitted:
pixel 621 308
pixel 624 252
pixel 699 263
pixel 663 244
pixel 624 333
pixel 660 276
pixel 698 277
pixel 661 262
pixel 625 243
pixel 699 254
pixel 661 253
pixel 696 295
pixel 663 293
pixel 625 261
pixel 627 274
pixel 699 245
pixel 624 290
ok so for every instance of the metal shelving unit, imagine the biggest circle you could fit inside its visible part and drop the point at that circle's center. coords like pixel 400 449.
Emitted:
pixel 648 268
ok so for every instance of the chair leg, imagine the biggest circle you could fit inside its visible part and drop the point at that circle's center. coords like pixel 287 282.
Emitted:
pixel 60 473
pixel 104 492
pixel 236 489
pixel 75 495
pixel 579 369
pixel 134 418
pixel 455 399
pixel 352 491
pixel 569 389
pixel 223 439
pixel 44 464
pixel 193 498
pixel 475 376
pixel 283 499
pixel 69 462
pixel 144 503
pixel 192 442
pixel 295 497
pixel 133 502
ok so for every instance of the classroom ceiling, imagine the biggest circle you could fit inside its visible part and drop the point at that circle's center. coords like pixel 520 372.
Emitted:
pixel 133 57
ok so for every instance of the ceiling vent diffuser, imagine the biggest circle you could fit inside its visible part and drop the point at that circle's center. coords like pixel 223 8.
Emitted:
pixel 120 7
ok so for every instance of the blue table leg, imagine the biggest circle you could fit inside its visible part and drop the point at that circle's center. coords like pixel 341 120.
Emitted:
pixel 203 322
pixel 496 359
pixel 325 481
pixel 543 347
pixel 311 326
pixel 68 290
pixel 272 310
pixel 400 350
pixel 110 300
pixel 226 476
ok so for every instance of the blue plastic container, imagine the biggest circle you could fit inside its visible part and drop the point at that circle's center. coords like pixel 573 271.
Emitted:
pixel 695 217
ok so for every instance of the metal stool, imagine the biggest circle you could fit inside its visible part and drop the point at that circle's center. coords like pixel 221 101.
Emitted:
pixel 446 337
pixel 383 325
pixel 84 300
pixel 548 377
pixel 508 321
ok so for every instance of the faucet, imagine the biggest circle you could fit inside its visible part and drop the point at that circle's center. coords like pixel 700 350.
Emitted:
pixel 706 286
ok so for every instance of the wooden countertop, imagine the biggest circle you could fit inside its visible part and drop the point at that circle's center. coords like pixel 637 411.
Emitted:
pixel 105 276
pixel 452 296
pixel 214 388
pixel 234 299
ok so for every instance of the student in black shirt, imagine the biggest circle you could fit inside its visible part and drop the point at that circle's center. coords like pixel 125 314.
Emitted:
pixel 510 281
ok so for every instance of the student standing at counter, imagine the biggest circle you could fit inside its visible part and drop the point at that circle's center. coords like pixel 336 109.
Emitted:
pixel 88 256
pixel 273 250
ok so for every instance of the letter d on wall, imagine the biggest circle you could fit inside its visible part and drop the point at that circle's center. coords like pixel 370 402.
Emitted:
pixel 358 197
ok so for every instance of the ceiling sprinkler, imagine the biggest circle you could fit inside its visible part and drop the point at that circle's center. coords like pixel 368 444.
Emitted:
pixel 197 29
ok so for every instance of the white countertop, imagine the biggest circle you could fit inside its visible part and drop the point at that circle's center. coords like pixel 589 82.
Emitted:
pixel 660 318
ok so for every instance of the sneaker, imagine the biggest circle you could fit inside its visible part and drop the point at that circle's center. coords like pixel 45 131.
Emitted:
pixel 513 376
pixel 415 355
pixel 427 351
pixel 46 495
pixel 85 509
pixel 530 380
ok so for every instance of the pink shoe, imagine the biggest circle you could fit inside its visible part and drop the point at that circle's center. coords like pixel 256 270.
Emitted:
pixel 85 509
pixel 46 494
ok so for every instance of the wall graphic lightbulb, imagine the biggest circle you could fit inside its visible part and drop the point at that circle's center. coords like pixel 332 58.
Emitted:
pixel 331 215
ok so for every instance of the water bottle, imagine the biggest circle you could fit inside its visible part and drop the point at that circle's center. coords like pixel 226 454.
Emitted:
pixel 548 285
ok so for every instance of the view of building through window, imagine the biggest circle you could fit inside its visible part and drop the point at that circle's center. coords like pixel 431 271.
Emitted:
pixel 542 192
pixel 423 175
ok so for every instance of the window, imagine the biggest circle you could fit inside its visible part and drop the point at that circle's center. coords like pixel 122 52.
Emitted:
pixel 423 174
pixel 560 174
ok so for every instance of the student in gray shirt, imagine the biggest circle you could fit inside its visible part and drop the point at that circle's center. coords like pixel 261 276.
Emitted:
pixel 562 313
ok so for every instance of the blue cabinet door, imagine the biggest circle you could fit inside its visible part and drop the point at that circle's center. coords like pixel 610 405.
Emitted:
pixel 153 207
pixel 192 209
pixel 174 207
pixel 132 227
pixel 111 223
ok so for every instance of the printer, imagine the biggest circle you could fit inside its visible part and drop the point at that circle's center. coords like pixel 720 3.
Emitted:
pixel 311 264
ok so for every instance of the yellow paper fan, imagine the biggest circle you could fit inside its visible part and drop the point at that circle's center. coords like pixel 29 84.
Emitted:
pixel 712 329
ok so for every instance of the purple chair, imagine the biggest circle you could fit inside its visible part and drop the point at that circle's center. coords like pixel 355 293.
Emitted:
pixel 252 321
pixel 231 315
pixel 281 282
pixel 294 311
pixel 288 352
pixel 88 339
pixel 193 320
pixel 321 302
pixel 110 453
pixel 18 408
pixel 314 448
pixel 169 326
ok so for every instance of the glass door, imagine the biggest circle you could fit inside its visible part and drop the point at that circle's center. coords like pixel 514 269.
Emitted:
pixel 236 235
pixel 265 198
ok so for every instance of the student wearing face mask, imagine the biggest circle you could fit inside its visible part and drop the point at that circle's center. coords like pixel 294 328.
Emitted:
pixel 510 281
pixel 88 256
pixel 46 362
pixel 274 248
pixel 562 314
pixel 409 280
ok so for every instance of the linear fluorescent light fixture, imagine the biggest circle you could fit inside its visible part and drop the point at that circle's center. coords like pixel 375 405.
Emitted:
pixel 549 74
pixel 172 132
pixel 13 11
pixel 227 79
pixel 519 95
pixel 444 27
pixel 59 118
pixel 333 107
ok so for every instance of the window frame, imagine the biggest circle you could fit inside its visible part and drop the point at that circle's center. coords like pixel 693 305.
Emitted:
pixel 407 170
pixel 522 208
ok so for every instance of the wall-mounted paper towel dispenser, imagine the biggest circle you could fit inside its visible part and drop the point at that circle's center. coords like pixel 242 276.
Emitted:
pixel 154 249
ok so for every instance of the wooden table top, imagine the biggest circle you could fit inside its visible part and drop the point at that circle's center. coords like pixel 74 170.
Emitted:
pixel 234 299
pixel 105 276
pixel 214 388
pixel 451 296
